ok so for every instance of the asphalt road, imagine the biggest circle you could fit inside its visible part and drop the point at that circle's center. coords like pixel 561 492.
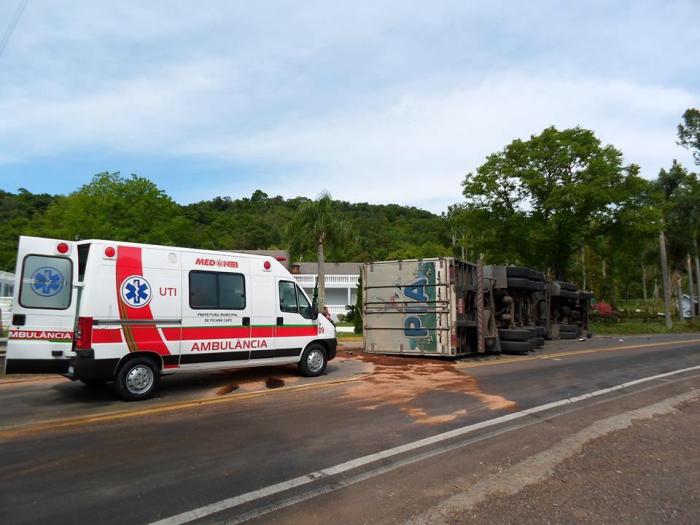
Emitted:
pixel 70 453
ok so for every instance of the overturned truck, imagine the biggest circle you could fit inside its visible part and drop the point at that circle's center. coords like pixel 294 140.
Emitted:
pixel 448 307
pixel 432 307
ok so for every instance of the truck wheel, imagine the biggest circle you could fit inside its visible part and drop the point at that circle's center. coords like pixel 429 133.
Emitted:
pixel 514 334
pixel 520 283
pixel 568 335
pixel 313 361
pixel 136 379
pixel 515 347
pixel 569 328
pixel 539 341
pixel 519 271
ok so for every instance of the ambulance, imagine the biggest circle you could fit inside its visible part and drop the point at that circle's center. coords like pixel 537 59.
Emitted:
pixel 99 311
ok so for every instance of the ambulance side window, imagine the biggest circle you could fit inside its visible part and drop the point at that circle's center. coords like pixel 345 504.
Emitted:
pixel 288 297
pixel 46 282
pixel 304 305
pixel 217 291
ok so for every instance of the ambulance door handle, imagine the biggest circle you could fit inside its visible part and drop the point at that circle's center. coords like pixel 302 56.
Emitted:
pixel 19 319
pixel 280 321
pixel 246 321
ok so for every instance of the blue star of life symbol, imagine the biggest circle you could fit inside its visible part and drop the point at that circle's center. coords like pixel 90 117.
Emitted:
pixel 135 291
pixel 47 281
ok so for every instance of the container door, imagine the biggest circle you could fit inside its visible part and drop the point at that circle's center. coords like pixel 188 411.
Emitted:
pixel 44 306
pixel 294 328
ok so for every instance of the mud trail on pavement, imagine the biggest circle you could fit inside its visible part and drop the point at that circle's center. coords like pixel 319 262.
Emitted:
pixel 400 382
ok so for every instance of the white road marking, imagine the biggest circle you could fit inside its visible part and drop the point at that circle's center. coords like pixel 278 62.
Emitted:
pixel 236 501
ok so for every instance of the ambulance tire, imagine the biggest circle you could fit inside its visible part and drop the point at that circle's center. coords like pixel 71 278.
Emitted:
pixel 313 360
pixel 137 379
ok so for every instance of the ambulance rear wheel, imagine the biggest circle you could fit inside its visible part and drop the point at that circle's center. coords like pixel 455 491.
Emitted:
pixel 136 379
pixel 313 361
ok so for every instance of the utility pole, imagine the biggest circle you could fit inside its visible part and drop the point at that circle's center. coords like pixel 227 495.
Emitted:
pixel 679 291
pixel 691 288
pixel 666 281
pixel 583 265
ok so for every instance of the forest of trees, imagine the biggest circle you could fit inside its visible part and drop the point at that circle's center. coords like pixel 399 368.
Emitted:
pixel 560 201
pixel 133 208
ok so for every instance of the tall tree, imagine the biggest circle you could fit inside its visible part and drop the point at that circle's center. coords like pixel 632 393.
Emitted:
pixel 118 208
pixel 318 223
pixel 689 132
pixel 542 198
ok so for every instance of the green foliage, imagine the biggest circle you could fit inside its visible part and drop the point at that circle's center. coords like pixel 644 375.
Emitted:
pixel 20 214
pixel 118 208
pixel 689 132
pixel 134 209
pixel 538 201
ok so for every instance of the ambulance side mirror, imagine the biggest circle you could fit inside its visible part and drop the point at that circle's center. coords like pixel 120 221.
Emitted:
pixel 314 312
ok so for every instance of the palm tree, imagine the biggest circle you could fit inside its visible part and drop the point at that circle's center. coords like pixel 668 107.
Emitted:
pixel 317 224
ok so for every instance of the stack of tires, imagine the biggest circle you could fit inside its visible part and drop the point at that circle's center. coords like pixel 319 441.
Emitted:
pixel 521 282
pixel 521 278
pixel 521 339
pixel 569 331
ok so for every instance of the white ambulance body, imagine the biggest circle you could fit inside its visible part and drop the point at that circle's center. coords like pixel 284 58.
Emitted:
pixel 102 311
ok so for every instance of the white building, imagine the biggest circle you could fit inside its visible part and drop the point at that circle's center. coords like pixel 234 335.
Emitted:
pixel 341 283
pixel 7 283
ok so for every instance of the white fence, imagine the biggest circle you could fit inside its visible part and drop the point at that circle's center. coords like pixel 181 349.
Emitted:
pixel 308 280
pixel 5 307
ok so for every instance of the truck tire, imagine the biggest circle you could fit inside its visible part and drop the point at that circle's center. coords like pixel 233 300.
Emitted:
pixel 519 271
pixel 568 335
pixel 538 276
pixel 137 379
pixel 520 283
pixel 313 360
pixel 514 334
pixel 515 347
pixel 539 341
pixel 571 328
pixel 541 331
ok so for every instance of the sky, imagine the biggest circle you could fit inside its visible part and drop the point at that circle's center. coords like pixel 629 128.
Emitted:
pixel 381 102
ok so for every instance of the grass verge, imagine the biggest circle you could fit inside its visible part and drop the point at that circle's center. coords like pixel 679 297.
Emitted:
pixel 641 327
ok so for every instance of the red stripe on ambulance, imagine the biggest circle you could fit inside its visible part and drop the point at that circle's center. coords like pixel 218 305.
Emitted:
pixel 145 337
pixel 107 335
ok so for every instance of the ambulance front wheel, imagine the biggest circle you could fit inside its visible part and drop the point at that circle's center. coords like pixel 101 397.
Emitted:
pixel 137 379
pixel 313 361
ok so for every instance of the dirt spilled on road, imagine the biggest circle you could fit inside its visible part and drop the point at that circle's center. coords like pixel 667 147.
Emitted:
pixel 401 382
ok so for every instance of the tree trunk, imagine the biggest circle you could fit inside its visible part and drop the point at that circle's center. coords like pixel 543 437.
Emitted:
pixel 691 288
pixel 666 281
pixel 644 283
pixel 679 292
pixel 321 278
pixel 697 268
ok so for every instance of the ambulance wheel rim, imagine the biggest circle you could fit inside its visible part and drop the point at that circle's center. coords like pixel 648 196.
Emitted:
pixel 315 360
pixel 139 379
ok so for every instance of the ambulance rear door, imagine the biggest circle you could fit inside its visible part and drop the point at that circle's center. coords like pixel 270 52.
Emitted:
pixel 44 306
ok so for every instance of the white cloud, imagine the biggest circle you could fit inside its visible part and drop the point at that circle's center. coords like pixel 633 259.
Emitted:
pixel 384 103
pixel 418 148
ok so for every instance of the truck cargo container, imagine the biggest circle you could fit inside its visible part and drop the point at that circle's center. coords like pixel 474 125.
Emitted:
pixel 429 307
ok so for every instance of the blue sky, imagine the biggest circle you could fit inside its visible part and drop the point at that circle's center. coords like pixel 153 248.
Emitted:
pixel 373 101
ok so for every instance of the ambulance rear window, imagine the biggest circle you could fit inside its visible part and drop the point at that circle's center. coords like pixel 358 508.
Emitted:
pixel 46 282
